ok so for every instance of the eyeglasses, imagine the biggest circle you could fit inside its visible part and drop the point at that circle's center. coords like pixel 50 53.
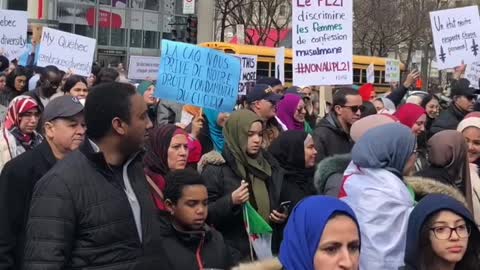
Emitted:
pixel 445 233
pixel 355 109
pixel 471 97
pixel 301 110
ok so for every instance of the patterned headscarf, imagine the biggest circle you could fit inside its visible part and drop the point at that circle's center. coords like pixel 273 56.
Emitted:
pixel 18 106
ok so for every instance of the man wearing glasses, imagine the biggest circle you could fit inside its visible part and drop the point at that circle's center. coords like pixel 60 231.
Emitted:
pixel 463 102
pixel 332 135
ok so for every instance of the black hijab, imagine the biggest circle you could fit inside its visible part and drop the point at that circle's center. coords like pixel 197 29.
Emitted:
pixel 289 150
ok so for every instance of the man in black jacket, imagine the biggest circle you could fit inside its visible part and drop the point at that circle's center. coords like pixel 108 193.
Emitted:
pixel 64 127
pixel 332 135
pixel 463 102
pixel 94 209
pixel 50 79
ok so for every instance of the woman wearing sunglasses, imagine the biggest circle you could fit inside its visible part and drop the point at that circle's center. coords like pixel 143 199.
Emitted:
pixel 441 235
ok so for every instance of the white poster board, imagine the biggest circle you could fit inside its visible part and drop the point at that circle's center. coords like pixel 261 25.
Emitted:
pixel 280 64
pixel 249 73
pixel 143 67
pixel 371 73
pixel 392 70
pixel 322 42
pixel 472 73
pixel 68 52
pixel 188 7
pixel 13 33
pixel 456 35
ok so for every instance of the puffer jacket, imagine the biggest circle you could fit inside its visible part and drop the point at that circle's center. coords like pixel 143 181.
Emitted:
pixel 330 138
pixel 192 250
pixel 448 119
pixel 81 217
pixel 221 181
pixel 329 174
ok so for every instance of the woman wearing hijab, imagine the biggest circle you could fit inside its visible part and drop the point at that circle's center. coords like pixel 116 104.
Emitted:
pixel 442 234
pixel 295 151
pixel 448 158
pixel 167 150
pixel 413 116
pixel 19 130
pixel 291 113
pixel 367 91
pixel 212 134
pixel 384 105
pixel 329 174
pixel 146 89
pixel 249 174
pixel 373 186
pixel 322 233
pixel 470 128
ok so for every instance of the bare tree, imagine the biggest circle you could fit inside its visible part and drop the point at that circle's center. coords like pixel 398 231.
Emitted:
pixel 261 16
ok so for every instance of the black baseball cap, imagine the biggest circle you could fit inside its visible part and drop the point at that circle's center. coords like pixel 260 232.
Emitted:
pixel 62 107
pixel 462 87
pixel 263 91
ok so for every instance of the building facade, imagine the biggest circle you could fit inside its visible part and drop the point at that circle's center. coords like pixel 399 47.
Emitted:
pixel 121 27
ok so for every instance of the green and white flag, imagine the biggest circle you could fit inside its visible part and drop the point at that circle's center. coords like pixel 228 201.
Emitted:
pixel 259 232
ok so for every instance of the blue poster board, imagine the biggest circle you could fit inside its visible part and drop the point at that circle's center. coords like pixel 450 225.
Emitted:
pixel 198 76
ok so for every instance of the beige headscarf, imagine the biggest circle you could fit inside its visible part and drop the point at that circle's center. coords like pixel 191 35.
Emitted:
pixel 372 121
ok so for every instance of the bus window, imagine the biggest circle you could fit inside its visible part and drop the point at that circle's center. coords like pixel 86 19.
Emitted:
pixel 288 73
pixel 377 76
pixel 356 75
pixel 382 74
pixel 364 76
pixel 263 69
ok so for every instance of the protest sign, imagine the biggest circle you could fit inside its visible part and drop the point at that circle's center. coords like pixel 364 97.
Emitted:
pixel 68 52
pixel 143 67
pixel 249 73
pixel 392 70
pixel 198 76
pixel 322 42
pixel 456 35
pixel 371 73
pixel 280 64
pixel 472 73
pixel 13 33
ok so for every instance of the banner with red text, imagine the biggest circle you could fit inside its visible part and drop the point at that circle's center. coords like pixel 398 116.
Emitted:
pixel 322 42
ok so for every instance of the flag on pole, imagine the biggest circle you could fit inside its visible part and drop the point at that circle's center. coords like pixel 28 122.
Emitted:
pixel 259 232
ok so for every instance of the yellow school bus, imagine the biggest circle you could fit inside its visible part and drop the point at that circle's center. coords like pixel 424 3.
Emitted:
pixel 266 63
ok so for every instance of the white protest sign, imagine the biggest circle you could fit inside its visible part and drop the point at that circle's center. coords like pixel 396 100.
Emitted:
pixel 143 67
pixel 456 35
pixel 66 51
pixel 472 73
pixel 371 73
pixel 249 73
pixel 280 64
pixel 188 6
pixel 13 33
pixel 322 42
pixel 392 70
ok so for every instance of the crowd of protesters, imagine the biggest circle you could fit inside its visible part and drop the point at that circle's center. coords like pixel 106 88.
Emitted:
pixel 97 173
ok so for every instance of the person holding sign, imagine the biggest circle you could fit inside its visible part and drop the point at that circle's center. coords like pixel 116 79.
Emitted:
pixel 250 174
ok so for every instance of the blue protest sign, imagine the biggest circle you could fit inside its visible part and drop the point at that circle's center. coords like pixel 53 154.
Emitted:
pixel 198 76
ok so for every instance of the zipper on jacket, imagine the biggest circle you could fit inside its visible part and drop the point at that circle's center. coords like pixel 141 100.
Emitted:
pixel 199 253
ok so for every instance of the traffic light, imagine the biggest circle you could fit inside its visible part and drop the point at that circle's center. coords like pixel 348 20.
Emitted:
pixel 192 24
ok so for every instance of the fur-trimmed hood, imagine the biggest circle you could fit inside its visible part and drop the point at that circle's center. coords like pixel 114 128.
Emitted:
pixel 424 186
pixel 336 164
pixel 271 264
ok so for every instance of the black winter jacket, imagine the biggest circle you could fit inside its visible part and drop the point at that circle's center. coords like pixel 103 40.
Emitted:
pixel 330 138
pixel 190 250
pixel 17 181
pixel 227 218
pixel 81 217
pixel 448 119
